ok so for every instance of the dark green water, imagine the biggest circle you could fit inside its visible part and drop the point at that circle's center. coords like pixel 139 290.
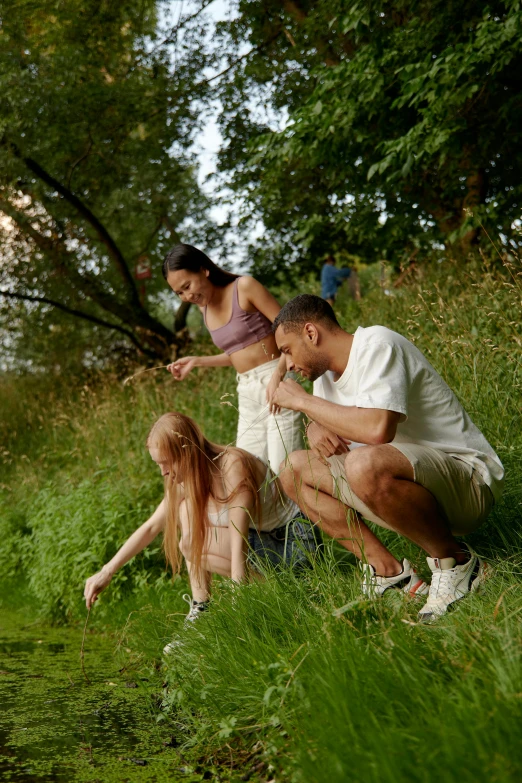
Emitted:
pixel 56 727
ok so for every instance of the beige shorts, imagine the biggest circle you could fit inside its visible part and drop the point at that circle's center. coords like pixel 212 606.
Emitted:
pixel 463 496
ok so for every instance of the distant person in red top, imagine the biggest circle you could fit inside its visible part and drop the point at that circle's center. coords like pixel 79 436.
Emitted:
pixel 238 312
pixel 332 278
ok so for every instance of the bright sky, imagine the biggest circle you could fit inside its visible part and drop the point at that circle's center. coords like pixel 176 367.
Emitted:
pixel 209 142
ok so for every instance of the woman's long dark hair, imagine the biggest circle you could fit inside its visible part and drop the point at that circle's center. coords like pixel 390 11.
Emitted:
pixel 193 260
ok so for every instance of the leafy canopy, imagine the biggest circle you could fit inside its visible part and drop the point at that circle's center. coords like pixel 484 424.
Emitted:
pixel 375 127
pixel 99 110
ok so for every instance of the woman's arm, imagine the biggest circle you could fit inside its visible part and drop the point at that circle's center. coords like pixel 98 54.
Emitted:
pixel 181 367
pixel 257 296
pixel 238 525
pixel 140 539
pixel 240 516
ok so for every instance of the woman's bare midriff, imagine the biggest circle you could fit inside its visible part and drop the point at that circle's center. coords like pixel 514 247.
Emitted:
pixel 255 355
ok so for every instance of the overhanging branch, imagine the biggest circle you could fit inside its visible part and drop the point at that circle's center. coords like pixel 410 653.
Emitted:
pixel 103 234
pixel 258 48
pixel 79 314
pixel 62 260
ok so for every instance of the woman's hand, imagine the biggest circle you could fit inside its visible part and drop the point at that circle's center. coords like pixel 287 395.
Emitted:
pixel 181 367
pixel 323 442
pixel 95 584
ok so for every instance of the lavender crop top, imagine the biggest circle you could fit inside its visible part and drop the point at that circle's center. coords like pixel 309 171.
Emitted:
pixel 242 330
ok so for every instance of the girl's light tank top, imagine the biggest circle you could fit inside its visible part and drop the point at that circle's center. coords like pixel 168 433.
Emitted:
pixel 276 508
pixel 242 330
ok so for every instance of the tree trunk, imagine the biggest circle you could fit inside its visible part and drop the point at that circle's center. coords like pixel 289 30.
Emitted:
pixel 451 215
pixel 180 319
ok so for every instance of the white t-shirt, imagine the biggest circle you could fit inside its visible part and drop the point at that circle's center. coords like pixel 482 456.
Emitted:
pixel 386 371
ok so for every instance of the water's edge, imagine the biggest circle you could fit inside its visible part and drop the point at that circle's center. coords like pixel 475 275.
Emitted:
pixel 55 726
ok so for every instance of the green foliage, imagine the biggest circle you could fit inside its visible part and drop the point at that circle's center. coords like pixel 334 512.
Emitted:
pixel 388 127
pixel 364 694
pixel 76 529
pixel 77 482
pixel 100 106
pixel 297 676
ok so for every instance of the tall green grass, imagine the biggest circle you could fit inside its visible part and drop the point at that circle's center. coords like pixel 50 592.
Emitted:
pixel 298 675
pixel 77 478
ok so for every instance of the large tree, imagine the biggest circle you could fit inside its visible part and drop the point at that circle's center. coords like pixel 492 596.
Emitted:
pixel 99 106
pixel 400 124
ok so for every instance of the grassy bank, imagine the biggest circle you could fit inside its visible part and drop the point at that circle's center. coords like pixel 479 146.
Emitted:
pixel 298 675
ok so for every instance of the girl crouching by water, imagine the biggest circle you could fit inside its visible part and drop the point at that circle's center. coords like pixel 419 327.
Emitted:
pixel 223 511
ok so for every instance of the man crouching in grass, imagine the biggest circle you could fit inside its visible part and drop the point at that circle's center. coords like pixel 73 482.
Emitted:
pixel 416 464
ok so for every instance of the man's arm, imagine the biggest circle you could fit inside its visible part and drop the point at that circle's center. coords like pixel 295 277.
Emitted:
pixel 373 426
pixel 343 273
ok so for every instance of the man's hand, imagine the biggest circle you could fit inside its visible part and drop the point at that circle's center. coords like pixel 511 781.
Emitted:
pixel 271 389
pixel 181 368
pixel 289 394
pixel 324 443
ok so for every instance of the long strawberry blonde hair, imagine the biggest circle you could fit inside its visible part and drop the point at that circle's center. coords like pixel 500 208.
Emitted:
pixel 194 461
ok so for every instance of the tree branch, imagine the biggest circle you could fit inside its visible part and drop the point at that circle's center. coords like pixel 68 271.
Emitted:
pixel 80 314
pixel 102 233
pixel 300 16
pixel 60 256
pixel 258 48
pixel 179 26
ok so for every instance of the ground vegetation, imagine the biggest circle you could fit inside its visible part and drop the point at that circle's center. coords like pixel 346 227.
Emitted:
pixel 297 678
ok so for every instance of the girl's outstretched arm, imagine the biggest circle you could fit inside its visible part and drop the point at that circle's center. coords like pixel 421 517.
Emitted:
pixel 140 539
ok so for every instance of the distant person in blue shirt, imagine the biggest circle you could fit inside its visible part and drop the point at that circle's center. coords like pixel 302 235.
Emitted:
pixel 331 279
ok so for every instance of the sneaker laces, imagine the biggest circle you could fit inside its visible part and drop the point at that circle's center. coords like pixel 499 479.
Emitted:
pixel 196 608
pixel 442 583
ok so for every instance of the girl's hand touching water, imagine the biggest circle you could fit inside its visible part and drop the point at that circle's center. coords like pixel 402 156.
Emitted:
pixel 94 586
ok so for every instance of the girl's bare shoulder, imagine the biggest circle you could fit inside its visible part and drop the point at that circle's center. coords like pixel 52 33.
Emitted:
pixel 232 459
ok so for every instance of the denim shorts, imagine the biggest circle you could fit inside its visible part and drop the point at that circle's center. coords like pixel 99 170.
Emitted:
pixel 293 545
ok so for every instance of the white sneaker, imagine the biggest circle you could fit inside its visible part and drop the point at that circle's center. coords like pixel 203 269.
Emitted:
pixel 408 581
pixel 451 582
pixel 196 610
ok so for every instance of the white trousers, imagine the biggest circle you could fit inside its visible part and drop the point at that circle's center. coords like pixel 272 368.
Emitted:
pixel 271 438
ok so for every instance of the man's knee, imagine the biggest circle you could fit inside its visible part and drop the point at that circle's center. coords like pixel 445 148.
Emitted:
pixel 368 471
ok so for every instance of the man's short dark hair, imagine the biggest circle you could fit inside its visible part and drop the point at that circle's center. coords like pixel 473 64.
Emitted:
pixel 303 309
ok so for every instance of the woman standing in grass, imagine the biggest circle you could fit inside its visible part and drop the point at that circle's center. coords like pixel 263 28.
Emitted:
pixel 238 312
pixel 223 510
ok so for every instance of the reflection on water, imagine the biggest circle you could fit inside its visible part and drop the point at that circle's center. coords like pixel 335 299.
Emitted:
pixel 56 727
